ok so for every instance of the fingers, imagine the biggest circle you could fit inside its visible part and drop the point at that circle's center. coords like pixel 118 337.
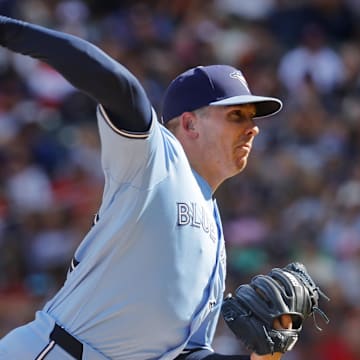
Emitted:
pixel 283 322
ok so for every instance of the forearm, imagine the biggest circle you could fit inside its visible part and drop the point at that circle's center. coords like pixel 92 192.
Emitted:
pixel 208 355
pixel 84 65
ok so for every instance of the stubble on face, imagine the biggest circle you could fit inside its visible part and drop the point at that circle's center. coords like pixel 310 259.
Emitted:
pixel 240 159
pixel 226 137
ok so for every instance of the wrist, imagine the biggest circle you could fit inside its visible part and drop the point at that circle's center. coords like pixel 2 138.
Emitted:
pixel 275 356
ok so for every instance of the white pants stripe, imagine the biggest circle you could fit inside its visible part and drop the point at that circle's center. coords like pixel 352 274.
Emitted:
pixel 46 350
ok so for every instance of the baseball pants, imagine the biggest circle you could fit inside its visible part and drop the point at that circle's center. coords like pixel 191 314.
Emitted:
pixel 42 339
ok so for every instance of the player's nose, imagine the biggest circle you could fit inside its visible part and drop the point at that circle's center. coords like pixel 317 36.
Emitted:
pixel 252 129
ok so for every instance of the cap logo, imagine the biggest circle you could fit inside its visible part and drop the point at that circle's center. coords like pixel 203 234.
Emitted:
pixel 239 76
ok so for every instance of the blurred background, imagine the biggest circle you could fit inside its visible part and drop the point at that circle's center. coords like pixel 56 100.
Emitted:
pixel 299 197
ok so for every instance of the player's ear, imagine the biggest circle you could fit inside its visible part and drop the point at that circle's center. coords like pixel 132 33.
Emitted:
pixel 188 123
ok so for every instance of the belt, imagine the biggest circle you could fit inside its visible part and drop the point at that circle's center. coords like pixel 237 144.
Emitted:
pixel 65 340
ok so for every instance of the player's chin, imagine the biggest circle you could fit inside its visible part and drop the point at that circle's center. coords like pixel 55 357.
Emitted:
pixel 239 166
pixel 241 163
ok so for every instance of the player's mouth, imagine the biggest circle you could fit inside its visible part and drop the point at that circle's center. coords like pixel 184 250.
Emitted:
pixel 244 147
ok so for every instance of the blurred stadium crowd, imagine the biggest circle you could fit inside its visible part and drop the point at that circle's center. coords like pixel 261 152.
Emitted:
pixel 298 199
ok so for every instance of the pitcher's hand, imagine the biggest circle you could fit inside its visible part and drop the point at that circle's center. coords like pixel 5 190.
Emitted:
pixel 283 322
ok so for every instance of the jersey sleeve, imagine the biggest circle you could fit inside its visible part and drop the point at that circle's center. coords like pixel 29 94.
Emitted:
pixel 86 67
pixel 133 158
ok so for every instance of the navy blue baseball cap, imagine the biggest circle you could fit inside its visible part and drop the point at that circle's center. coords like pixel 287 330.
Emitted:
pixel 211 86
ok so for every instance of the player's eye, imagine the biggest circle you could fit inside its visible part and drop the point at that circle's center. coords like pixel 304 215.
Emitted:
pixel 239 116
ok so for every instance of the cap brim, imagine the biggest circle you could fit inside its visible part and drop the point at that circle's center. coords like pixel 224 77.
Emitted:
pixel 265 106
